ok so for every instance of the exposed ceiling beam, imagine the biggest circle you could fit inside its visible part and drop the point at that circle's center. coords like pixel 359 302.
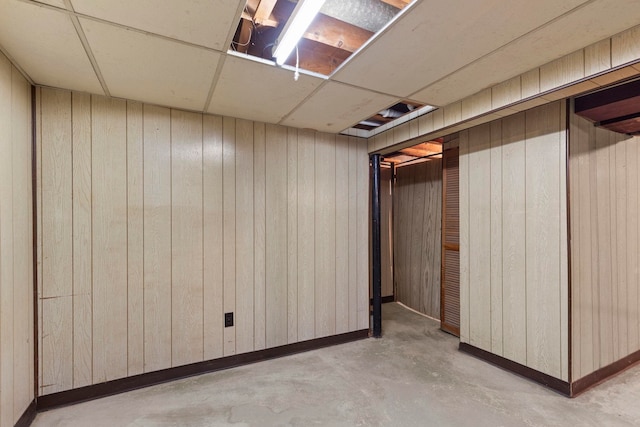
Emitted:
pixel 264 10
pixel 334 32
pixel 417 152
pixel 397 3
pixel 318 57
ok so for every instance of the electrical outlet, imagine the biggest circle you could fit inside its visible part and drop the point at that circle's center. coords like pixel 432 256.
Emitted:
pixel 228 320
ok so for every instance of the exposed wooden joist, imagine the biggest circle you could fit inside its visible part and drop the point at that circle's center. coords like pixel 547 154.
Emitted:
pixel 334 32
pixel 397 3
pixel 416 152
pixel 318 57
pixel 263 12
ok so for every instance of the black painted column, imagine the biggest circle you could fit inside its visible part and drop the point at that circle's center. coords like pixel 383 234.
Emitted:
pixel 376 253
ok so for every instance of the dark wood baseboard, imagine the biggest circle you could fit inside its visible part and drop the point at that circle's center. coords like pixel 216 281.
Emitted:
pixel 556 384
pixel 28 415
pixel 603 374
pixel 109 388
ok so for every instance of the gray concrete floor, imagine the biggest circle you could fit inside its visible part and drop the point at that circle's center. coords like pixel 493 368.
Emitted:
pixel 413 376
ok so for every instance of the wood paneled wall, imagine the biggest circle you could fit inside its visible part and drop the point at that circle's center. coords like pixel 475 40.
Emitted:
pixel 605 254
pixel 600 64
pixel 513 238
pixel 155 222
pixel 16 246
pixel 417 235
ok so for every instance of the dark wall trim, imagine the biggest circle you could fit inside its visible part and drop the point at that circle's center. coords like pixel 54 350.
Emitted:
pixel 28 416
pixel 568 113
pixel 34 215
pixel 560 386
pixel 603 374
pixel 96 391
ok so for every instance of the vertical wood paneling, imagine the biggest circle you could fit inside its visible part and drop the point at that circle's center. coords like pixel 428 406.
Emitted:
pixel 6 246
pixel 632 249
pixel 542 236
pixel 562 71
pixel 109 232
pixel 613 209
pixel 135 238
pixel 306 234
pixel 594 250
pixel 292 236
pixel 480 236
pixel 362 262
pixel 157 238
pixel 625 46
pixel 259 176
pixel 597 57
pixel 56 342
pixel 604 255
pixel 325 224
pixel 82 250
pixel 477 104
pixel 496 235
pixel 16 246
pixel 417 235
pixel 604 246
pixel 464 235
pixel 353 227
pixel 342 234
pixel 506 93
pixel 513 239
pixel 244 237
pixel 276 236
pixel 581 245
pixel 514 278
pixel 416 245
pixel 620 284
pixel 39 258
pixel 22 245
pixel 562 245
pixel 530 83
pixel 212 236
pixel 186 238
pixel 229 227
pixel 386 226
pixel 185 217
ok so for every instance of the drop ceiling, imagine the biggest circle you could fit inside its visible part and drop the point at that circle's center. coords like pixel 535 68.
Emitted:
pixel 175 54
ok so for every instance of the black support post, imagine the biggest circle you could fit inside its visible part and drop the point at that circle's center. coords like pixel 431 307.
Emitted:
pixel 376 250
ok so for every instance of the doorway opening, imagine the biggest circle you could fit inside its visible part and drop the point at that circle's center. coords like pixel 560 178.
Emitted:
pixel 419 215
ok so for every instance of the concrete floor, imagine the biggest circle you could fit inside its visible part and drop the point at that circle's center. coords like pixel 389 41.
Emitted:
pixel 413 376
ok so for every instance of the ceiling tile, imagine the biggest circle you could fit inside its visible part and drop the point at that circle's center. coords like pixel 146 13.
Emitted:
pixel 46 46
pixel 203 22
pixel 150 69
pixel 336 107
pixel 269 98
pixel 434 38
pixel 593 22
pixel 56 3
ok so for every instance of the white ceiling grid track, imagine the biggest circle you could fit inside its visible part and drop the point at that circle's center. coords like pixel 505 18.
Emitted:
pixel 175 54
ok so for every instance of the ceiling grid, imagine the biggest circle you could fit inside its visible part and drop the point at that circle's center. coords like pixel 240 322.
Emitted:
pixel 176 54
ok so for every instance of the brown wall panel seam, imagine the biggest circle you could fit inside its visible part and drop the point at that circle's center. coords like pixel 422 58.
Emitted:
pixel 568 219
pixel 34 238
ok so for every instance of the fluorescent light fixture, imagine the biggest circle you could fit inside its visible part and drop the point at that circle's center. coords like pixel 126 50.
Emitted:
pixel 300 20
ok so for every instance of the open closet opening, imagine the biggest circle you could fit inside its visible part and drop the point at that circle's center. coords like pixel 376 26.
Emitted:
pixel 420 230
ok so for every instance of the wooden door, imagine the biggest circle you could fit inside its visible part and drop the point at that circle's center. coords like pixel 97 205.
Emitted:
pixel 450 282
